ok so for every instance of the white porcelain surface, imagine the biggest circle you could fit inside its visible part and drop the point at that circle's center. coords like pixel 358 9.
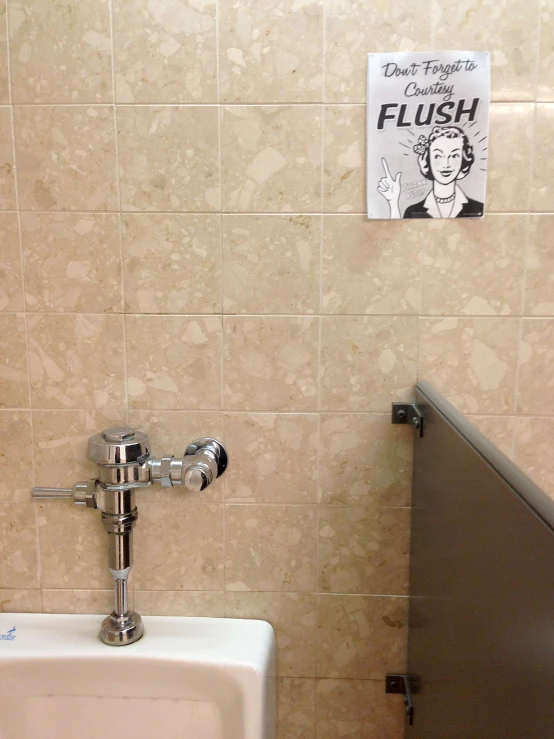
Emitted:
pixel 202 678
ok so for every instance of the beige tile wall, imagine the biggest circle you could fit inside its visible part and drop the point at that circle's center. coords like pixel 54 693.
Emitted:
pixel 184 248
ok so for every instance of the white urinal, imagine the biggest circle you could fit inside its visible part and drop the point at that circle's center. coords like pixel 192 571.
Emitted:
pixel 187 678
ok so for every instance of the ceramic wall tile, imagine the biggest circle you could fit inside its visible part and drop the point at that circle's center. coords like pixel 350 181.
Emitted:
pixel 533 450
pixel 11 285
pixel 293 617
pixel 545 85
pixel 14 375
pixel 539 278
pixel 73 363
pixel 471 361
pixel 179 546
pixel 475 269
pixel 174 362
pixel 172 263
pixel 99 602
pixel 179 603
pixel 270 363
pixel 271 264
pixel 363 550
pixel 270 548
pixel 271 53
pixel 165 52
pixel 66 158
pixel 361 637
pixel 510 148
pixel 364 460
pixel 274 458
pixel 271 158
pixel 19 566
pixel 295 708
pixel 20 601
pixel 60 52
pixel 358 709
pixel 7 174
pixel 344 156
pixel 355 27
pixel 72 262
pixel 507 28
pixel 367 362
pixel 536 354
pixel 168 157
pixel 16 458
pixel 371 267
pixel 4 82
pixel 542 190
pixel 498 429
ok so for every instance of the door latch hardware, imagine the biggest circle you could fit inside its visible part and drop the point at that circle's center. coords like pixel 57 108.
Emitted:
pixel 405 685
pixel 408 413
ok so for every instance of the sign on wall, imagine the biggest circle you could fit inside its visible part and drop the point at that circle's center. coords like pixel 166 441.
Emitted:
pixel 427 134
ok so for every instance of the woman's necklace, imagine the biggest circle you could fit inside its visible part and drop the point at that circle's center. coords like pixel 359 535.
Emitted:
pixel 443 201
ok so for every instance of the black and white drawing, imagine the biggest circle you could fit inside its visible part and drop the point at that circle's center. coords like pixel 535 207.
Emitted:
pixel 427 126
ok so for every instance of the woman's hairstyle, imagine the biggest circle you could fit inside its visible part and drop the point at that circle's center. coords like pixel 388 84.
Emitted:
pixel 423 149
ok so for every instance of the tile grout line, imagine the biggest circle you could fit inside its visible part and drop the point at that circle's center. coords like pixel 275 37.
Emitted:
pixel 231 104
pixel 258 213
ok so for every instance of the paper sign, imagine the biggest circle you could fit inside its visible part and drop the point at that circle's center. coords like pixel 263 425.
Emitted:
pixel 427 134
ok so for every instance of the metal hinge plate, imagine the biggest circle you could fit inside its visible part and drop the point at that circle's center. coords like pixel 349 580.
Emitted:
pixel 405 685
pixel 408 413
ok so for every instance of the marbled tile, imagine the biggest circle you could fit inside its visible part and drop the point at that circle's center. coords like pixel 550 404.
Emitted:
pixel 539 278
pixel 172 263
pixel 542 189
pixel 170 432
pixel 165 52
pixel 66 158
pixel 295 708
pixel 60 444
pixel 20 601
pixel 533 450
pixel 73 546
pixel 4 82
pixel 179 546
pixel 271 53
pixel 16 457
pixel 274 458
pixel 14 375
pixel 72 262
pixel 100 602
pixel 61 51
pixel 76 361
pixel 498 429
pixel 476 268
pixel 174 362
pixel 271 158
pixel 545 89
pixel 363 550
pixel 11 284
pixel 471 361
pixel 270 548
pixel 358 709
pixel 179 603
pixel 270 363
pixel 293 616
pixel 506 28
pixel 510 148
pixel 356 27
pixel 344 157
pixel 536 359
pixel 371 266
pixel 367 362
pixel 360 636
pixel 18 546
pixel 364 460
pixel 7 175
pixel 168 157
pixel 271 264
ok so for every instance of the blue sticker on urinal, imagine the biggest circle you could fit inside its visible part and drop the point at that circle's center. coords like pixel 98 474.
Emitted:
pixel 10 636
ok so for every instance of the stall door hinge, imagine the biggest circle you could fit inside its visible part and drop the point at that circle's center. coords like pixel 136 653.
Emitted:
pixel 408 413
pixel 405 685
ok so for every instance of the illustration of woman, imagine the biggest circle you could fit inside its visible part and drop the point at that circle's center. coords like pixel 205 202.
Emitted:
pixel 444 158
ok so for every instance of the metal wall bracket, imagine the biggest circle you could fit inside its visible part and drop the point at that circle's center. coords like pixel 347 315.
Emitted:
pixel 408 413
pixel 404 685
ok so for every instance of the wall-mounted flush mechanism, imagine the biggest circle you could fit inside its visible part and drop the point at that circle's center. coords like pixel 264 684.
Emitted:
pixel 125 464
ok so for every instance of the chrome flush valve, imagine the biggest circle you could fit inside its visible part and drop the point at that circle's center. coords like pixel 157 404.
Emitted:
pixel 125 464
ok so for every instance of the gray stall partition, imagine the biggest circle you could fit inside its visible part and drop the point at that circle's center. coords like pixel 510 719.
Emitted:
pixel 481 638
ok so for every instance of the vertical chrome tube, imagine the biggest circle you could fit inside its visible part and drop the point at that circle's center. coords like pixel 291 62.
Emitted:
pixel 121 608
